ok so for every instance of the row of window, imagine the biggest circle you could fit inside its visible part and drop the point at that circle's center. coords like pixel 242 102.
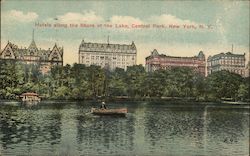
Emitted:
pixel 102 62
pixel 230 57
pixel 87 56
pixel 237 71
pixel 112 66
pixel 227 62
pixel 110 50
pixel 106 58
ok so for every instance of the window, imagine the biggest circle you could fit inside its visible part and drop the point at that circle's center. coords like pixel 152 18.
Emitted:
pixel 7 53
pixel 54 57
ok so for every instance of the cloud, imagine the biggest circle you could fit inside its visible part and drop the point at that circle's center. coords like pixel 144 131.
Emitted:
pixel 161 19
pixel 92 17
pixel 169 19
pixel 19 16
pixel 74 17
pixel 125 20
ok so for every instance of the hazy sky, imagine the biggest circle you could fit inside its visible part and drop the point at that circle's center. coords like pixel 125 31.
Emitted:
pixel 224 23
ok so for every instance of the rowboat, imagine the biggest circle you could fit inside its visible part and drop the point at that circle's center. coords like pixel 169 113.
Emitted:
pixel 119 112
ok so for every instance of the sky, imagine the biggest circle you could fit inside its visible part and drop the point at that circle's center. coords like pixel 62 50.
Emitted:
pixel 176 28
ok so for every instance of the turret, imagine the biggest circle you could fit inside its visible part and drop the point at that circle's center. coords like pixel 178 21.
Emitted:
pixel 201 55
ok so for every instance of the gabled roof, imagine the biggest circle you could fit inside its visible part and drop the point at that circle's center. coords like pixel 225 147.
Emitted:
pixel 29 94
pixel 59 49
pixel 13 47
pixel 33 45
pixel 22 52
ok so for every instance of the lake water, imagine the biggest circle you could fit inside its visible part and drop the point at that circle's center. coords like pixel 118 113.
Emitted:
pixel 150 128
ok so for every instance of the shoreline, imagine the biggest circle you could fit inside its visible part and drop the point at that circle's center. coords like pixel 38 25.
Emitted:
pixel 164 101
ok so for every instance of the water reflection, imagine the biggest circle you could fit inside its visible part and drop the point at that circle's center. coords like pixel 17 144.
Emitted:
pixel 149 129
pixel 226 129
pixel 177 126
pixel 29 126
pixel 114 134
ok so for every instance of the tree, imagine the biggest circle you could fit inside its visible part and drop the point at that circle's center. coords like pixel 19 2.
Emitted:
pixel 96 79
pixel 223 84
pixel 135 77
pixel 117 85
pixel 243 92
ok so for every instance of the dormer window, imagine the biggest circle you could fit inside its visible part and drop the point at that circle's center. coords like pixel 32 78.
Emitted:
pixel 7 53
pixel 55 57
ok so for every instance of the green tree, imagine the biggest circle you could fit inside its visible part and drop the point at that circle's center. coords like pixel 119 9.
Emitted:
pixel 243 92
pixel 117 84
pixel 135 77
pixel 96 77
pixel 223 84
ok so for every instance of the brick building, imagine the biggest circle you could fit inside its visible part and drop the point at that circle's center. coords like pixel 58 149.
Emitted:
pixel 158 61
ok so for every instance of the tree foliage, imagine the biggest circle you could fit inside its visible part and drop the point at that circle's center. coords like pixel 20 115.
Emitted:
pixel 81 82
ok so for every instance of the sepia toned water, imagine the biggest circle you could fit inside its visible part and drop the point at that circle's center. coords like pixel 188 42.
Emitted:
pixel 150 128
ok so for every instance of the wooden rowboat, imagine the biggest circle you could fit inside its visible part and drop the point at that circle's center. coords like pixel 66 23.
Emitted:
pixel 119 112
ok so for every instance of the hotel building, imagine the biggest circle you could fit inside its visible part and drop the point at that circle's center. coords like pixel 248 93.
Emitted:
pixel 247 71
pixel 158 61
pixel 234 63
pixel 107 55
pixel 32 55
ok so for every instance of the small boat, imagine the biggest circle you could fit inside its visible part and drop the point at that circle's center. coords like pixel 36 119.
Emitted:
pixel 115 112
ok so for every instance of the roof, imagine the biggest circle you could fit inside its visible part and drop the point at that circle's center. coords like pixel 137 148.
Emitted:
pixel 226 54
pixel 42 53
pixel 107 47
pixel 29 94
pixel 155 53
pixel 33 46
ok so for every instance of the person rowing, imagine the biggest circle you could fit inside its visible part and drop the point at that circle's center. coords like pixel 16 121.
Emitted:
pixel 103 105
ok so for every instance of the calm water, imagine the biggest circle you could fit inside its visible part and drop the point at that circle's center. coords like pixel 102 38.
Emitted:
pixel 149 129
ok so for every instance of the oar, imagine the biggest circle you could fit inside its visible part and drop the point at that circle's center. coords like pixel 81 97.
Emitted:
pixel 91 111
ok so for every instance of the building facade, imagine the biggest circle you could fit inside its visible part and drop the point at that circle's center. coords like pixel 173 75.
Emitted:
pixel 32 55
pixel 234 63
pixel 247 71
pixel 158 61
pixel 107 55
